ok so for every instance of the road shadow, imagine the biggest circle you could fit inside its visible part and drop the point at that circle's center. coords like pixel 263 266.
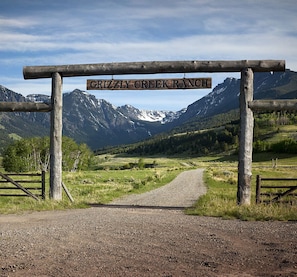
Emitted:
pixel 118 206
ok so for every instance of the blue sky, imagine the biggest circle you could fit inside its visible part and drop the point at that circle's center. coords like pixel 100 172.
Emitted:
pixel 35 32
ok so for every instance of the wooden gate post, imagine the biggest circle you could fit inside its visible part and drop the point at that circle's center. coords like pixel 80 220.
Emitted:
pixel 245 138
pixel 56 139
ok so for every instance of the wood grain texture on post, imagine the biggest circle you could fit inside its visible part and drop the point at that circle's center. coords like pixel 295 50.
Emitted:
pixel 245 138
pixel 56 139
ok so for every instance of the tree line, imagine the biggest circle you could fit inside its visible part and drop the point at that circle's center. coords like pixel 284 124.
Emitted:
pixel 33 154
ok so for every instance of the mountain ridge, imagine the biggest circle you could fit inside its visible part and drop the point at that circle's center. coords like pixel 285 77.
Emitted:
pixel 99 123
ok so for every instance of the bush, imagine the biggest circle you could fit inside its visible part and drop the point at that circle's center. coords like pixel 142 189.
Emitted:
pixel 285 146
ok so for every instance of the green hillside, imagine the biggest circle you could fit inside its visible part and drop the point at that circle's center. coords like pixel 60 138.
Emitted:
pixel 14 127
pixel 273 132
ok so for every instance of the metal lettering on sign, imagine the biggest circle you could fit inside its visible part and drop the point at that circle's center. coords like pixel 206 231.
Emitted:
pixel 149 84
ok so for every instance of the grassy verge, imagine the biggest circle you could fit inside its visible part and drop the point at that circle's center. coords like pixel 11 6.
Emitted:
pixel 103 184
pixel 220 200
pixel 118 176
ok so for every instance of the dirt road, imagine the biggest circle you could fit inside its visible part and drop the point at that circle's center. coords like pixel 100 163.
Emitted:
pixel 146 240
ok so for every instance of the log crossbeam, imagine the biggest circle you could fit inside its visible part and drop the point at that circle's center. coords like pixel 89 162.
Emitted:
pixel 24 107
pixel 273 105
pixel 155 67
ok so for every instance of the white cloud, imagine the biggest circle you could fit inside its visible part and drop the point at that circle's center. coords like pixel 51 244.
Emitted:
pixel 75 32
pixel 18 23
pixel 192 47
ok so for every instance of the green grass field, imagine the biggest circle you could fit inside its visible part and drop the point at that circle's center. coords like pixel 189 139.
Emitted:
pixel 110 180
pixel 220 200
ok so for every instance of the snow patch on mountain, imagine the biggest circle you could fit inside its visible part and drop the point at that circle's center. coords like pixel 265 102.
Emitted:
pixel 151 115
pixel 38 98
pixel 147 115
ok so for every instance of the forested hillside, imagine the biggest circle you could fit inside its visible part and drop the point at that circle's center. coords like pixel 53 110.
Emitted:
pixel 274 132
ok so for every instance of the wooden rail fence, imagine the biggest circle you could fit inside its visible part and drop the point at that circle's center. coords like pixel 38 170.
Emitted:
pixel 17 184
pixel 274 192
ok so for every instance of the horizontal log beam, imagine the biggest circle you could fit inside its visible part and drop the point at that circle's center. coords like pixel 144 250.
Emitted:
pixel 24 107
pixel 155 67
pixel 273 105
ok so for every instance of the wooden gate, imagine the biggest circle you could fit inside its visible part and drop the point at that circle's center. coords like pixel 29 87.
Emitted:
pixel 277 189
pixel 18 186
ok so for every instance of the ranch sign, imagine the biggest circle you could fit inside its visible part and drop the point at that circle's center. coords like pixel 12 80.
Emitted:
pixel 149 84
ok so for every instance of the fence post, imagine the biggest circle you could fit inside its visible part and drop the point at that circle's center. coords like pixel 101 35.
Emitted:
pixel 258 189
pixel 43 184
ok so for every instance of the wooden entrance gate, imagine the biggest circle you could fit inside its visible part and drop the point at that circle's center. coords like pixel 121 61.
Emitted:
pixel 246 67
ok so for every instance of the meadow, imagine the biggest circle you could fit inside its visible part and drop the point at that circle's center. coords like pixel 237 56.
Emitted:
pixel 114 176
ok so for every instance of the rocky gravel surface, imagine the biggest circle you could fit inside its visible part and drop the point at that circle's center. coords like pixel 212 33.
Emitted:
pixel 182 192
pixel 140 238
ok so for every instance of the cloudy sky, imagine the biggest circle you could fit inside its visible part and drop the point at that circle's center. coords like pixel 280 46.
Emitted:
pixel 58 32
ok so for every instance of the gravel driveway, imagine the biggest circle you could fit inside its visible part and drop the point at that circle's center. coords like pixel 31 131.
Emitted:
pixel 154 238
pixel 182 192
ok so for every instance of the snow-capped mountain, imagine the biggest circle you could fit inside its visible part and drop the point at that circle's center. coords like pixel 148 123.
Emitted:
pixel 86 119
pixel 98 123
